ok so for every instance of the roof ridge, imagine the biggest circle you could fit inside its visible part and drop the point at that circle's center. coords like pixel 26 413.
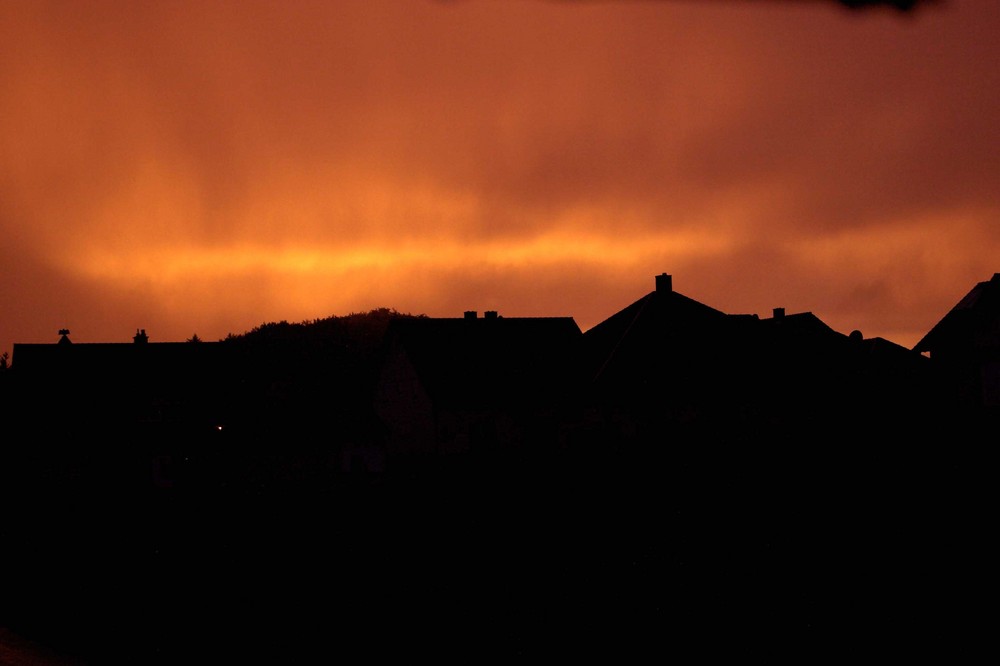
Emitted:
pixel 645 301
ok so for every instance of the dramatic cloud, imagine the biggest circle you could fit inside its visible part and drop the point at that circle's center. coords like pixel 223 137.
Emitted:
pixel 203 167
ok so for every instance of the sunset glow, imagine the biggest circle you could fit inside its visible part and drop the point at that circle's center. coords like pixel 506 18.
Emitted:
pixel 173 266
pixel 203 167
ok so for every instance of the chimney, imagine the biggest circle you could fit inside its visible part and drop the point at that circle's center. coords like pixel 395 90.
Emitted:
pixel 664 283
pixel 140 337
pixel 490 314
pixel 779 313
pixel 471 314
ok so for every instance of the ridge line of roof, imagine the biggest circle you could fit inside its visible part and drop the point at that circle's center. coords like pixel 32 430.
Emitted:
pixel 645 301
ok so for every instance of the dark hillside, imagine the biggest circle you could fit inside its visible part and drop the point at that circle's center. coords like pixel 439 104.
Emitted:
pixel 313 378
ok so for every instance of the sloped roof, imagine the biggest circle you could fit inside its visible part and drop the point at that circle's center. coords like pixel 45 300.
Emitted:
pixel 790 340
pixel 659 318
pixel 980 307
pixel 802 325
pixel 667 350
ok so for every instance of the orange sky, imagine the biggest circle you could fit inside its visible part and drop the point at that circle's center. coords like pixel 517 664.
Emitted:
pixel 205 167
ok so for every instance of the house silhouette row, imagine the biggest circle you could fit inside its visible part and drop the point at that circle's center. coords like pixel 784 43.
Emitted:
pixel 664 370
pixel 672 475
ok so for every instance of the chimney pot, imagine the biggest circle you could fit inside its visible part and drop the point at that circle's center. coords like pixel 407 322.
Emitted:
pixel 664 283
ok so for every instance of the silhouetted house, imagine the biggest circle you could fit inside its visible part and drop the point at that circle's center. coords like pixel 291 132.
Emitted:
pixel 122 390
pixel 965 347
pixel 472 385
pixel 847 386
pixel 119 402
pixel 661 360
pixel 801 369
pixel 668 366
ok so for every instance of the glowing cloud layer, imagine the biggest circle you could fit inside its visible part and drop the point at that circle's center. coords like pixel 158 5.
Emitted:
pixel 205 167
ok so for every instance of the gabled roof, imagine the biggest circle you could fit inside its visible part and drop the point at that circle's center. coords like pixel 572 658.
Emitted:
pixel 651 326
pixel 979 309
pixel 667 350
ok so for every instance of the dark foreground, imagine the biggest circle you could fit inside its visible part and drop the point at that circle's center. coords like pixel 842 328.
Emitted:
pixel 766 553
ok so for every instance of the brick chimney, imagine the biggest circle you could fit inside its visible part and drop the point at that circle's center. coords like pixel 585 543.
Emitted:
pixel 779 313
pixel 140 337
pixel 471 314
pixel 490 314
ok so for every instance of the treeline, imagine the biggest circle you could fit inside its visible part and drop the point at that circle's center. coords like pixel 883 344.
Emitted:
pixel 357 328
pixel 308 378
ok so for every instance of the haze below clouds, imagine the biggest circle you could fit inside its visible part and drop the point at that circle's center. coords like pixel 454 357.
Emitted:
pixel 205 167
